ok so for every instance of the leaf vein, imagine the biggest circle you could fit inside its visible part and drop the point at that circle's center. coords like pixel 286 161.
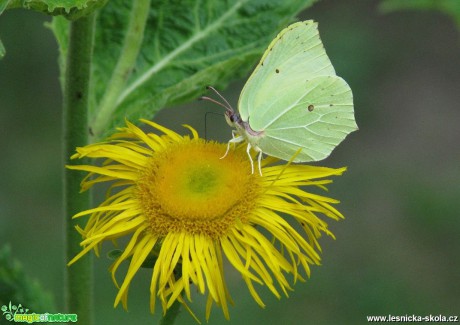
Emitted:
pixel 186 45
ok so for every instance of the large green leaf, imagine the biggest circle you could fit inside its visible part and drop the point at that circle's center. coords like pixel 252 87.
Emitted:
pixel 72 9
pixel 16 287
pixel 3 5
pixel 187 44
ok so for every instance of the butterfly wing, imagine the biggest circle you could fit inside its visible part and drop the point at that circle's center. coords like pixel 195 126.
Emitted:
pixel 296 99
pixel 295 55
pixel 317 121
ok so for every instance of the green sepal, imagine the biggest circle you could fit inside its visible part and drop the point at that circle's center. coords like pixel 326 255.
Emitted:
pixel 114 254
pixel 148 263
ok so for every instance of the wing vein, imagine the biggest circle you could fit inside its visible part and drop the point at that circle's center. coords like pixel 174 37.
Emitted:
pixel 288 108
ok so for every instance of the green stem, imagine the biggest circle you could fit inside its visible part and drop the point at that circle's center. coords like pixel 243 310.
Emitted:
pixel 171 314
pixel 79 277
pixel 126 62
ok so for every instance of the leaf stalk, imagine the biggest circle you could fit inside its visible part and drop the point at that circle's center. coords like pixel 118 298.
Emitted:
pixel 124 66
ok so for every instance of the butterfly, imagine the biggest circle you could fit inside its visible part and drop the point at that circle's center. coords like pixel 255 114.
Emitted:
pixel 293 104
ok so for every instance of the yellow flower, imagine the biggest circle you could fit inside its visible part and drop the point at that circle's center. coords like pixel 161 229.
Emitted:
pixel 189 210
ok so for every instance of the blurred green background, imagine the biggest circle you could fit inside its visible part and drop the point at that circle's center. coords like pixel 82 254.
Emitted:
pixel 397 252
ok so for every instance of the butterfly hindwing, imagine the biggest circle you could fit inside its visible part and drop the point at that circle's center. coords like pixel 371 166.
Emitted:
pixel 316 122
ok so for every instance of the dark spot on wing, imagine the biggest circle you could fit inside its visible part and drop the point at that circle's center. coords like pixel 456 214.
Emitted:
pixel 311 108
pixel 277 71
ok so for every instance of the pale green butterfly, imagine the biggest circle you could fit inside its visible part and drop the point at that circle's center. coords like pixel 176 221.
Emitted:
pixel 293 103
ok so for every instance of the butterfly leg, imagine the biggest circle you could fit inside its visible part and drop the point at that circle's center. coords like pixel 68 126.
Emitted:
pixel 259 159
pixel 234 139
pixel 248 151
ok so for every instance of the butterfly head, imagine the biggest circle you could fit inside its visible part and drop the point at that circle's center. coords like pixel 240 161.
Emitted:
pixel 233 118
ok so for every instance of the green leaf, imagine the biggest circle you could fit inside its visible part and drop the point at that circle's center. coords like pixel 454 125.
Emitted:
pixel 2 50
pixel 3 5
pixel 450 7
pixel 148 263
pixel 60 28
pixel 17 288
pixel 71 9
pixel 185 45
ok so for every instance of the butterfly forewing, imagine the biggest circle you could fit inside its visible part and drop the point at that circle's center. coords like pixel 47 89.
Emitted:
pixel 293 57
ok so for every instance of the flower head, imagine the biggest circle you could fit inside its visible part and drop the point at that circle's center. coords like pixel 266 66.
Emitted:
pixel 189 210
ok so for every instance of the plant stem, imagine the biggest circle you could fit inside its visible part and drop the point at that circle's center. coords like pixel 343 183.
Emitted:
pixel 125 64
pixel 171 314
pixel 79 277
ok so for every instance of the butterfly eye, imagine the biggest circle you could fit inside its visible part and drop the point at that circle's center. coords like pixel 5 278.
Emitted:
pixel 235 118
pixel 230 116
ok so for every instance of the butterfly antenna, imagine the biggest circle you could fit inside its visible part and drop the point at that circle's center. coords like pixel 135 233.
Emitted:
pixel 216 102
pixel 221 97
